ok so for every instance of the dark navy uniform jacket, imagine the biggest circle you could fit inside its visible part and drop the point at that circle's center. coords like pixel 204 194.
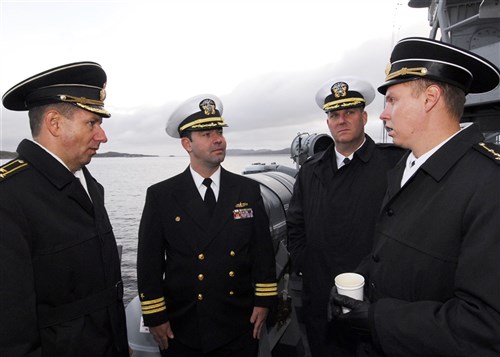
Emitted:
pixel 434 272
pixel 60 290
pixel 205 275
pixel 332 214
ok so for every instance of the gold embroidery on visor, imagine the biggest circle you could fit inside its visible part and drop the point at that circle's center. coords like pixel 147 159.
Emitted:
pixel 417 71
pixel 202 123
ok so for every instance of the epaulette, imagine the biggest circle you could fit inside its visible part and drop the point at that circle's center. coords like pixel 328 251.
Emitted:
pixel 490 150
pixel 11 168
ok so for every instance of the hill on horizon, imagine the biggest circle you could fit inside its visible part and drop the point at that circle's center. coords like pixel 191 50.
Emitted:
pixel 5 155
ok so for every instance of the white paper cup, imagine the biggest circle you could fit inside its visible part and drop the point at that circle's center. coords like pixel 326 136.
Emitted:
pixel 350 284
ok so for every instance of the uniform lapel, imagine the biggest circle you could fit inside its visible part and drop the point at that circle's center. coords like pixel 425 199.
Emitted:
pixel 76 192
pixel 95 192
pixel 189 199
pixel 394 177
pixel 327 166
pixel 56 173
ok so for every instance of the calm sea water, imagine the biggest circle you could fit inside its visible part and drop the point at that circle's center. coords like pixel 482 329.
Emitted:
pixel 126 180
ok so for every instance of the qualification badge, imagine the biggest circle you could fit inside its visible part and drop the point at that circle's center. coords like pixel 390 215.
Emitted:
pixel 242 213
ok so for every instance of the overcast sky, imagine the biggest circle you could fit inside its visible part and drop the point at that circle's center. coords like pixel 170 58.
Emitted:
pixel 265 59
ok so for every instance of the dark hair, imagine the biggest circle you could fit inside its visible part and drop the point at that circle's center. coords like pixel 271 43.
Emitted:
pixel 187 134
pixel 36 115
pixel 454 97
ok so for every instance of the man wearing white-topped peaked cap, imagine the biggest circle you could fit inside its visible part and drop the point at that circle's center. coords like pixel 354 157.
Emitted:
pixel 432 276
pixel 332 212
pixel 205 265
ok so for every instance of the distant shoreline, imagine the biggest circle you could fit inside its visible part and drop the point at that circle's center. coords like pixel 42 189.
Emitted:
pixel 7 155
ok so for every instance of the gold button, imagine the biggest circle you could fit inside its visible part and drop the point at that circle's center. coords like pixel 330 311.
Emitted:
pixel 200 297
pixel 177 219
pixel 231 274
pixel 232 253
pixel 231 293
pixel 200 277
pixel 201 256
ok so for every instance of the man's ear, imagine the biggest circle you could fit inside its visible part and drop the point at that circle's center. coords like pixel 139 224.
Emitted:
pixel 432 96
pixel 52 121
pixel 186 144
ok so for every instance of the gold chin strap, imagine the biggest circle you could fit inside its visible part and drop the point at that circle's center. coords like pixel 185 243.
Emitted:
pixel 417 71
pixel 81 100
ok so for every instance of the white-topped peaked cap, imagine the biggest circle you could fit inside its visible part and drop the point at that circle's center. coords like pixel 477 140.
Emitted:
pixel 80 83
pixel 423 58
pixel 344 92
pixel 201 112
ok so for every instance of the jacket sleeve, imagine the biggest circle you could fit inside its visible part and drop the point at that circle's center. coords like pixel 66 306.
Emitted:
pixel 295 226
pixel 263 261
pixel 151 264
pixel 19 335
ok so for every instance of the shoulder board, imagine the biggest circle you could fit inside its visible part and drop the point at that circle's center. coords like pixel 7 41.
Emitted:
pixel 12 167
pixel 490 150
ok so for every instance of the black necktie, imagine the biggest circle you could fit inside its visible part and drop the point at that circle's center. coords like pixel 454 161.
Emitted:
pixel 347 161
pixel 209 196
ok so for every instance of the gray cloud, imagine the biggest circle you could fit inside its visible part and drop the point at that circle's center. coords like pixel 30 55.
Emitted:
pixel 263 109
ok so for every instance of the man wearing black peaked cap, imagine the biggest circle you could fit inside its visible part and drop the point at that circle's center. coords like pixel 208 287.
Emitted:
pixel 205 265
pixel 433 276
pixel 60 282
pixel 334 206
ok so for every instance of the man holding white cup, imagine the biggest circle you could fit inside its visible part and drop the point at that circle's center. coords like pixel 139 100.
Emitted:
pixel 432 275
pixel 350 284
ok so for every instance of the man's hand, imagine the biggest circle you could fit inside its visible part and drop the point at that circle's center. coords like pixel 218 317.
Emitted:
pixel 161 334
pixel 258 318
pixel 356 319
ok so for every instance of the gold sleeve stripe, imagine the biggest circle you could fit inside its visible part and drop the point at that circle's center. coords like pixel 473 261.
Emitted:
pixel 266 294
pixel 152 307
pixel 148 312
pixel 155 301
pixel 268 285
pixel 266 289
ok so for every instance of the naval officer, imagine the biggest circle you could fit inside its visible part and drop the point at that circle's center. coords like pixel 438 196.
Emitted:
pixel 433 275
pixel 205 265
pixel 335 202
pixel 60 281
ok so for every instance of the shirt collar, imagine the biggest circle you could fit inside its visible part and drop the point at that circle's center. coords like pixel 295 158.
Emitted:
pixel 198 179
pixel 423 158
pixel 340 158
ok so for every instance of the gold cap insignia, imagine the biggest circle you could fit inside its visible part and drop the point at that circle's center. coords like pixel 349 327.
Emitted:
pixel 340 89
pixel 207 106
pixel 388 69
pixel 102 93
